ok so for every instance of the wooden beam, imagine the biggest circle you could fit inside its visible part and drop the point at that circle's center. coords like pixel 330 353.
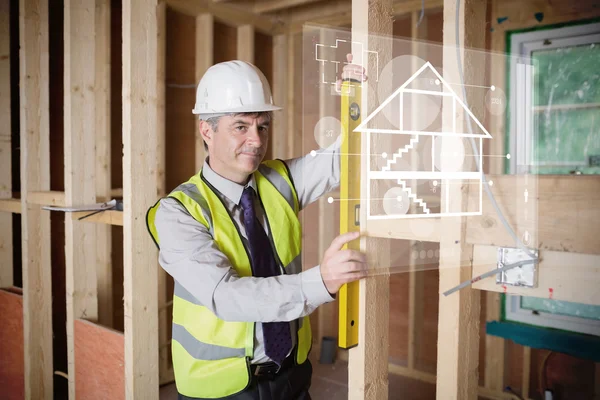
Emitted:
pixel 204 60
pixel 372 27
pixel 139 189
pixel 279 136
pixel 10 206
pixel 425 229
pixel 571 276
pixel 276 5
pixel 458 323
pixel 245 43
pixel 6 227
pixel 339 13
pixel 108 217
pixel 550 225
pixel 35 175
pixel 229 14
pixel 79 150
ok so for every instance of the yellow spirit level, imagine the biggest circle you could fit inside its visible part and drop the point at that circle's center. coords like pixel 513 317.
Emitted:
pixel 349 205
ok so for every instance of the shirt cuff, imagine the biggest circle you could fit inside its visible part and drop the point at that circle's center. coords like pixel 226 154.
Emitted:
pixel 314 288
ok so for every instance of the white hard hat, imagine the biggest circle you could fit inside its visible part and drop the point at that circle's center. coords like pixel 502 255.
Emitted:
pixel 232 87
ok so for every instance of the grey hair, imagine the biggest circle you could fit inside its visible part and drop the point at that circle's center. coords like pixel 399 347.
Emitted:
pixel 213 121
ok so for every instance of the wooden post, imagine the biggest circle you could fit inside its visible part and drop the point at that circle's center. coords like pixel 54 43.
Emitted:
pixel 79 147
pixel 204 60
pixel 416 278
pixel 279 133
pixel 458 326
pixel 245 43
pixel 6 228
pixel 139 190
pixel 35 176
pixel 368 362
pixel 103 178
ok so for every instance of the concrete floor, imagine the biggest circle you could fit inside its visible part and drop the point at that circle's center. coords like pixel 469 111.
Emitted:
pixel 330 382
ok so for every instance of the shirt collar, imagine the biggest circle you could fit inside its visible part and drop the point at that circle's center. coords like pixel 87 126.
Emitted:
pixel 231 190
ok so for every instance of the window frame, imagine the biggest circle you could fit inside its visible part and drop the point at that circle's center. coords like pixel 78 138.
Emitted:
pixel 520 47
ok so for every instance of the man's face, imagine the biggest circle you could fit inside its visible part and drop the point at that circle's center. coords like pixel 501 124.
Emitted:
pixel 238 146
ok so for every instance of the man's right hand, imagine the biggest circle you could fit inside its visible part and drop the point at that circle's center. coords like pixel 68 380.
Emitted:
pixel 342 266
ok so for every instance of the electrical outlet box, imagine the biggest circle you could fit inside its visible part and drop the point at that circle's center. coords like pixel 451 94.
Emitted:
pixel 524 275
pixel 594 161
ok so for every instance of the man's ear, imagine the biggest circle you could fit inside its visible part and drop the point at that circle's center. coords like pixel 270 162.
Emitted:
pixel 205 131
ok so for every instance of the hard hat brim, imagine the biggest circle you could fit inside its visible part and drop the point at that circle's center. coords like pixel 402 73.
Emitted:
pixel 245 109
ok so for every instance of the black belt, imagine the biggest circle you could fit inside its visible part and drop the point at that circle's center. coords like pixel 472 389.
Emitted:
pixel 270 370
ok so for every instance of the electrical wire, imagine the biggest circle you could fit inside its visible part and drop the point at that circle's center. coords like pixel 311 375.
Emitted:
pixel 534 258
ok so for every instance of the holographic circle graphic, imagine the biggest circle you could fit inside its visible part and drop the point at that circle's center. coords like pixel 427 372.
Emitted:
pixel 419 228
pixel 418 110
pixel 495 101
pixel 327 130
pixel 396 201
pixel 449 153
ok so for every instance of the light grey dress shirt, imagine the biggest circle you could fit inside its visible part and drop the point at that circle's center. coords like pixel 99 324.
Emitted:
pixel 190 255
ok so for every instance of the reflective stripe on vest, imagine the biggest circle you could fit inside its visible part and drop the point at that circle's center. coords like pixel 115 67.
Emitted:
pixel 210 355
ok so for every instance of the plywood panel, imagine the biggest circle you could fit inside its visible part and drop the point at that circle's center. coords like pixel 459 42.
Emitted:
pixel 100 362
pixel 12 366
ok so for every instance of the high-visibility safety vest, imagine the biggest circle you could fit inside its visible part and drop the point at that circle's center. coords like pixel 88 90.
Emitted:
pixel 211 357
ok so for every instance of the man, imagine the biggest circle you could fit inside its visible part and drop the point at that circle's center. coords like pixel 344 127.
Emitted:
pixel 231 239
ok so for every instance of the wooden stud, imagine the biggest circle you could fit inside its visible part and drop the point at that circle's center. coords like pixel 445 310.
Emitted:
pixel 80 188
pixel 140 189
pixel 458 323
pixel 526 378
pixel 166 371
pixel 35 175
pixel 372 27
pixel 161 128
pixel 245 43
pixel 204 60
pixel 495 347
pixel 416 282
pixel 290 103
pixel 6 228
pixel 279 131
pixel 103 177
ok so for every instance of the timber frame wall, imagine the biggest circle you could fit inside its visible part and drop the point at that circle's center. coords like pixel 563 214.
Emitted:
pixel 108 110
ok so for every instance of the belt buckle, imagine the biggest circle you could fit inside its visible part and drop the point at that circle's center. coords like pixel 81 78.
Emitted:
pixel 267 370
